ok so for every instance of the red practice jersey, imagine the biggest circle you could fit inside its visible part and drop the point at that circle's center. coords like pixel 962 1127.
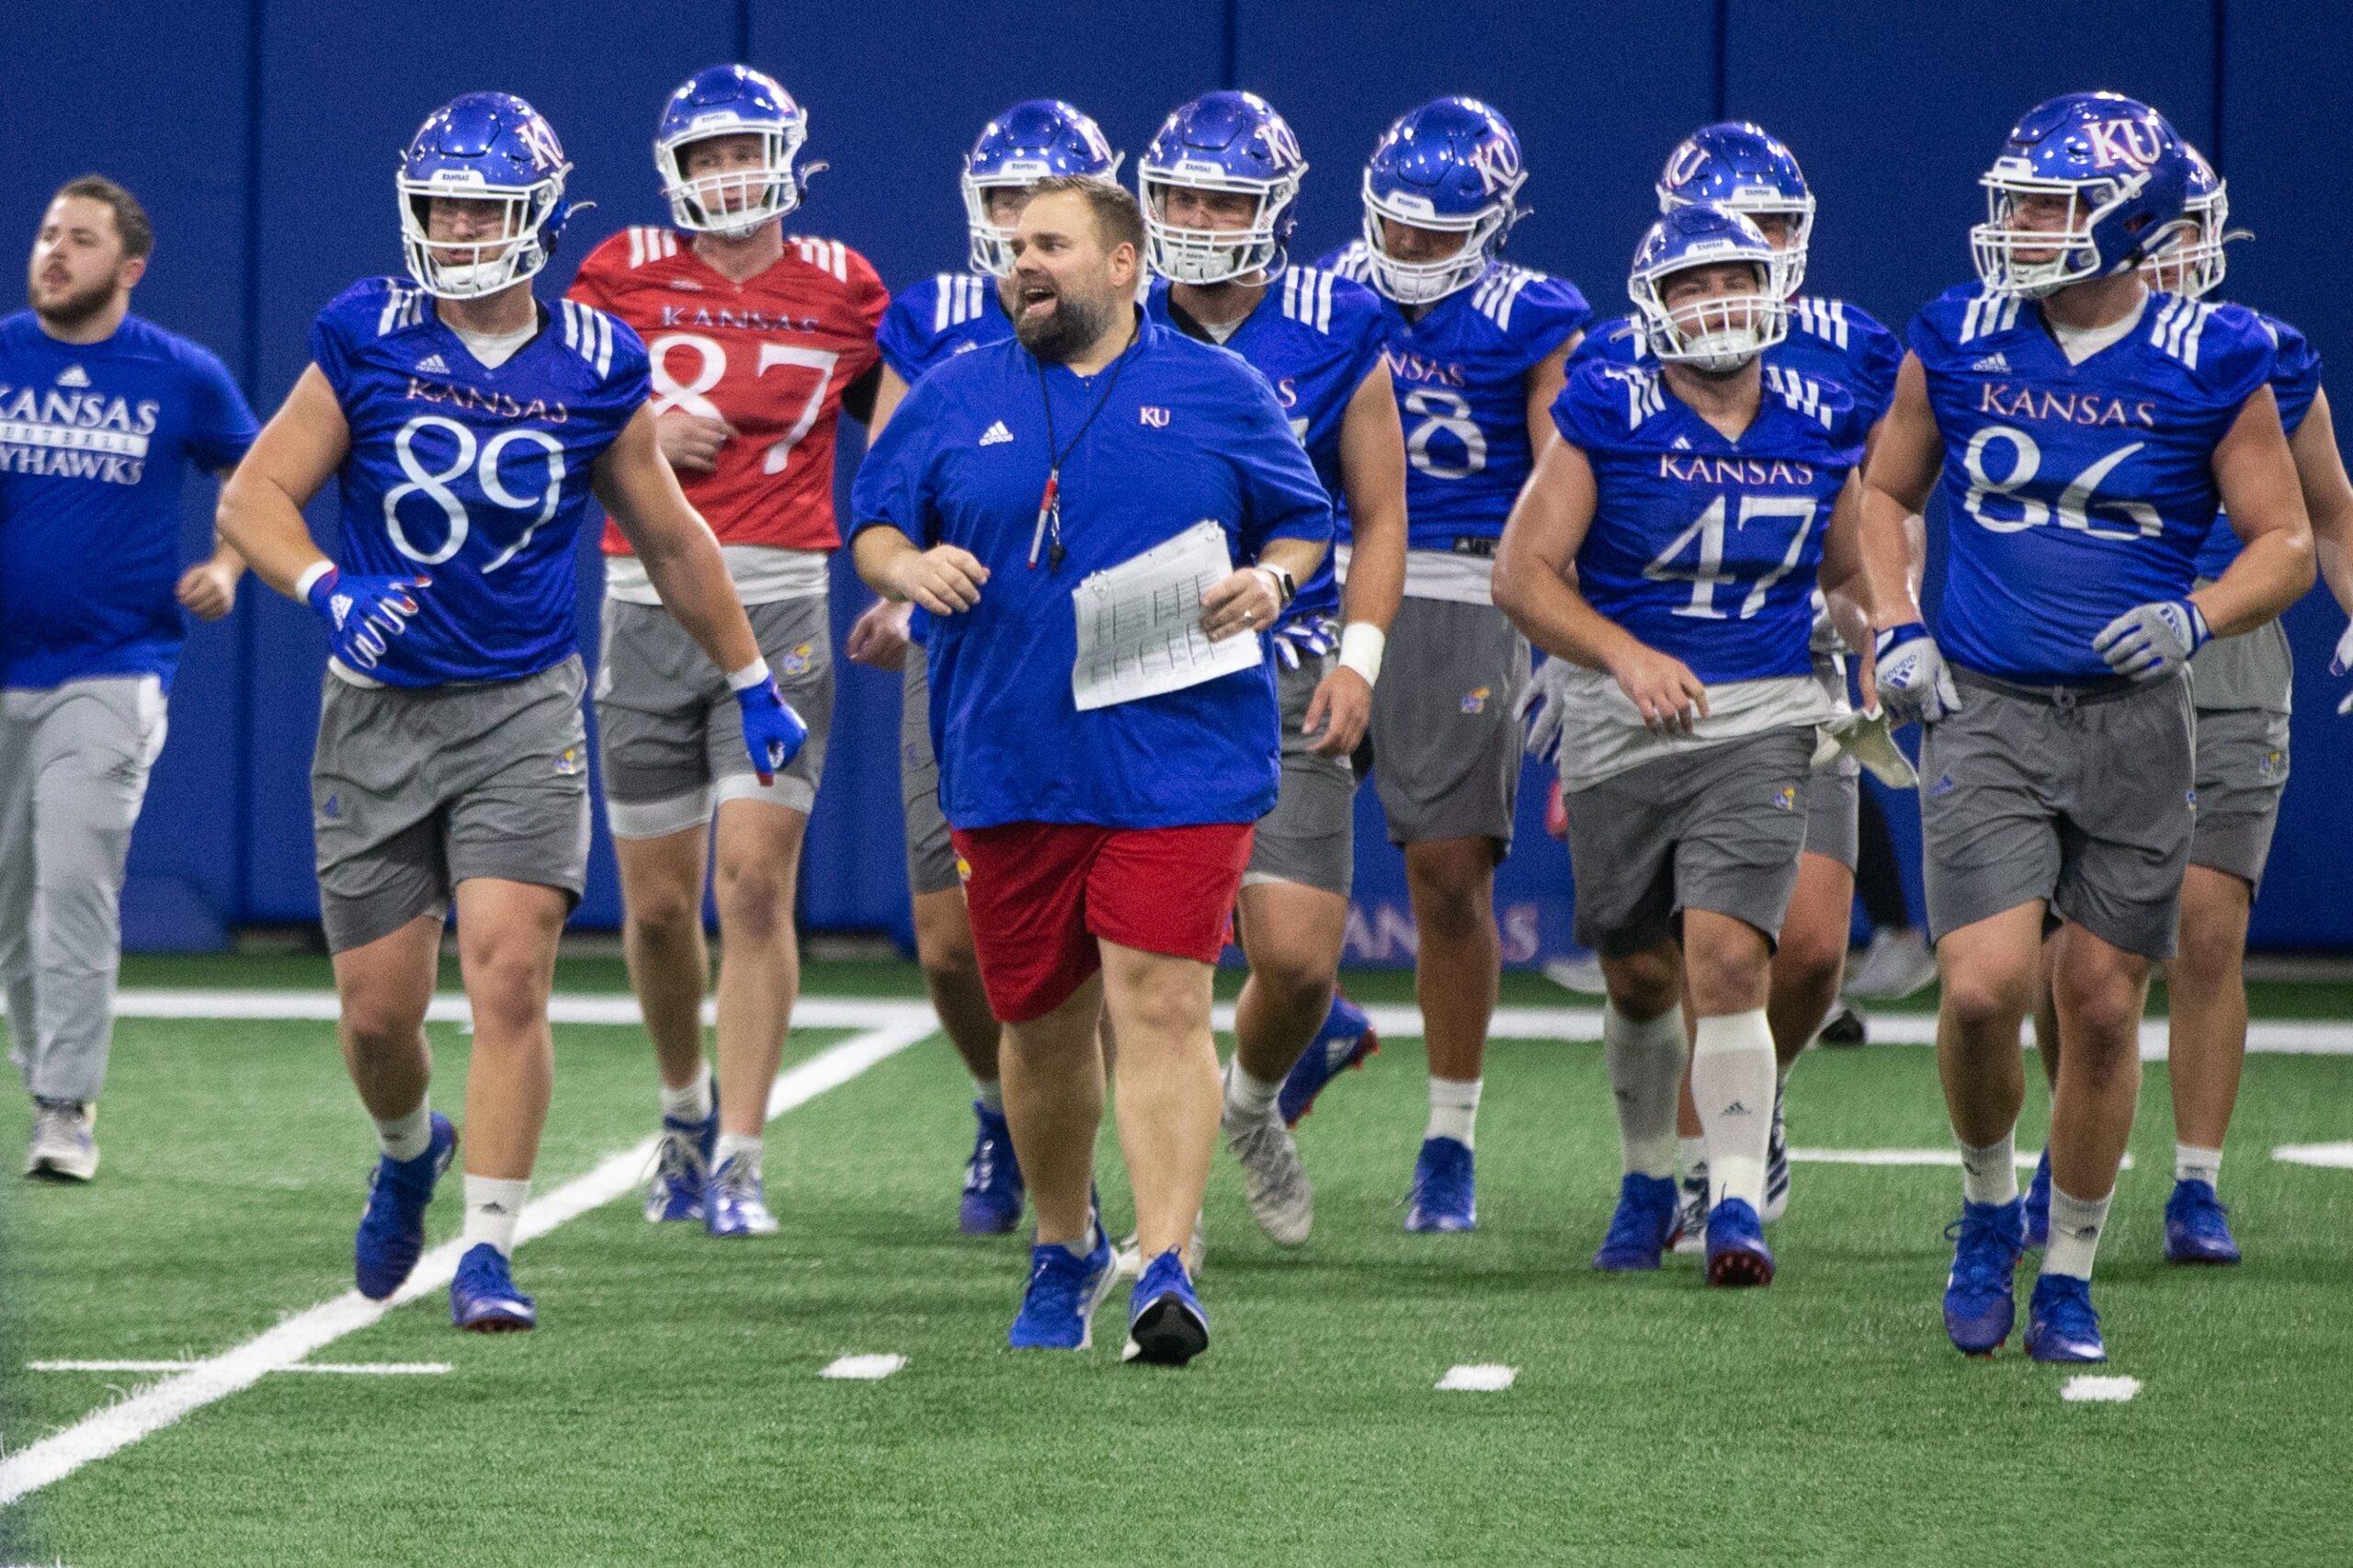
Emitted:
pixel 770 356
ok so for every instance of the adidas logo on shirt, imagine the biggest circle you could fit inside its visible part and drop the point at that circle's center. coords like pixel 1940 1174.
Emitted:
pixel 1683 443
pixel 996 435
pixel 433 365
pixel 1993 362
pixel 73 376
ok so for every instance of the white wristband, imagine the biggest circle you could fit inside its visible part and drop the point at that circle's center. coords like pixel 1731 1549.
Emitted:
pixel 310 577
pixel 1361 645
pixel 750 676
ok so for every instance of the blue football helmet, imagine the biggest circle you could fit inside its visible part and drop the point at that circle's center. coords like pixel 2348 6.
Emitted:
pixel 491 148
pixel 1223 141
pixel 1035 138
pixel 1452 164
pixel 1724 332
pixel 2121 171
pixel 732 100
pixel 1737 164
pixel 2194 264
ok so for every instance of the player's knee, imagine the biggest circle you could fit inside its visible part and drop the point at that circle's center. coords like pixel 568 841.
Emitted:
pixel 1986 994
pixel 1643 986
pixel 661 915
pixel 373 1024
pixel 1295 977
pixel 1809 964
pixel 753 903
pixel 944 937
pixel 2211 948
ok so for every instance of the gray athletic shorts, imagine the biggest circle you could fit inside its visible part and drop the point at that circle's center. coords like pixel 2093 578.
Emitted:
pixel 1445 745
pixel 670 733
pixel 2084 801
pixel 2242 770
pixel 1310 836
pixel 1831 826
pixel 415 790
pixel 931 858
pixel 1719 829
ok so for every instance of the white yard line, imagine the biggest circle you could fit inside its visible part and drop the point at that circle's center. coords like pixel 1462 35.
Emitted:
pixel 345 1368
pixel 297 1338
pixel 2331 1156
pixel 2099 1390
pixel 862 1369
pixel 2268 1035
pixel 1484 1376
pixel 2026 1162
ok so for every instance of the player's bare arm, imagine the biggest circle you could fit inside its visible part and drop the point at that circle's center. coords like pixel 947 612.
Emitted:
pixel 1545 380
pixel 945 579
pixel 260 514
pixel 207 590
pixel 1534 584
pixel 1902 468
pixel 1865 579
pixel 2328 497
pixel 1372 473
pixel 2257 477
pixel 681 556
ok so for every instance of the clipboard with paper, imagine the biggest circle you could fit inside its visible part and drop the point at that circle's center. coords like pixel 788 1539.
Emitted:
pixel 1140 623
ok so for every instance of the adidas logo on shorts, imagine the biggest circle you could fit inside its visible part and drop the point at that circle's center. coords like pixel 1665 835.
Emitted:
pixel 996 435
pixel 433 365
pixel 1993 362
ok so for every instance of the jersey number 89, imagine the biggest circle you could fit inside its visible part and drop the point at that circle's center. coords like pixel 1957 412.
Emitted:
pixel 483 459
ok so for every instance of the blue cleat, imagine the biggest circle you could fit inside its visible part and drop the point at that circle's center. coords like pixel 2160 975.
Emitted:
pixel 1058 1310
pixel 1647 1219
pixel 482 1298
pixel 1980 1307
pixel 2195 1228
pixel 681 1181
pixel 2060 1322
pixel 1736 1251
pixel 993 1186
pixel 1445 1195
pixel 1166 1325
pixel 1342 1044
pixel 391 1228
pixel 739 1200
pixel 2038 1204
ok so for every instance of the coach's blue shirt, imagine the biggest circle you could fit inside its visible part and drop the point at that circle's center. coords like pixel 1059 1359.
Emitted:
pixel 96 442
pixel 475 476
pixel 2074 492
pixel 1190 433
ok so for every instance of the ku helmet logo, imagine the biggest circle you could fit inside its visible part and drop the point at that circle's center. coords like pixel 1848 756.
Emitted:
pixel 2134 143
pixel 1498 163
pixel 540 141
pixel 1686 162
pixel 1153 416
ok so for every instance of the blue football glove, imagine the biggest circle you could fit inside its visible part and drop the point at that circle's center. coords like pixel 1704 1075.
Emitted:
pixel 1913 679
pixel 773 732
pixel 2152 641
pixel 363 613
pixel 2341 663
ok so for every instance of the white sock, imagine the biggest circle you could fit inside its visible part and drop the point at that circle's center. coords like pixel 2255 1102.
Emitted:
pixel 1691 1153
pixel 1646 1079
pixel 2191 1163
pixel 1990 1174
pixel 406 1137
pixel 493 1206
pixel 990 1092
pixel 1732 1083
pixel 1246 1095
pixel 1084 1245
pixel 2076 1225
pixel 1454 1109
pixel 733 1143
pixel 691 1103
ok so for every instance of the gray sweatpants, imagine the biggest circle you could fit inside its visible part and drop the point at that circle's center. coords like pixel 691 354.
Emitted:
pixel 74 763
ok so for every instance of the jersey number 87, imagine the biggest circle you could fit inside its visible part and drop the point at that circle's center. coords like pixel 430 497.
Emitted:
pixel 694 396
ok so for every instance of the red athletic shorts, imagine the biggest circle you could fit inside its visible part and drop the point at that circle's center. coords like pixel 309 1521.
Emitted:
pixel 1039 894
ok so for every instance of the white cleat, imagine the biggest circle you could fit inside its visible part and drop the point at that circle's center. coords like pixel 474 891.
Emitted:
pixel 64 1145
pixel 1281 1198
pixel 1897 964
pixel 1691 1224
pixel 1127 1254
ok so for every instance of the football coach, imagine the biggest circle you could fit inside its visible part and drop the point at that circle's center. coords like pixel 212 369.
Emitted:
pixel 1102 848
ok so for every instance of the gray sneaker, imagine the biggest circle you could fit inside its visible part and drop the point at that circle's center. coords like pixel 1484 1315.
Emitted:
pixel 1281 1198
pixel 64 1146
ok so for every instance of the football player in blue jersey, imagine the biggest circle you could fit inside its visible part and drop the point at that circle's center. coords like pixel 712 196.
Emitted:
pixel 2241 687
pixel 944 315
pixel 1476 349
pixel 2083 428
pixel 1743 168
pixel 1666 552
pixel 1219 186
pixel 465 426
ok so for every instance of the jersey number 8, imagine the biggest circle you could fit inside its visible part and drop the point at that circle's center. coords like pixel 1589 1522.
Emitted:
pixel 483 459
pixel 1450 412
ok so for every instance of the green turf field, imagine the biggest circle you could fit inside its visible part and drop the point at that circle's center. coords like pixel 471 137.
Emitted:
pixel 670 1410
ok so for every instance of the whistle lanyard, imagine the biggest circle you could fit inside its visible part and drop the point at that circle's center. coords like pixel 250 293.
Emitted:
pixel 1050 505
